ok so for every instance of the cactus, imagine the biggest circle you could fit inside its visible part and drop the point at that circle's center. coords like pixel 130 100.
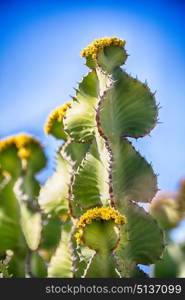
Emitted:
pixel 100 174
pixel 86 220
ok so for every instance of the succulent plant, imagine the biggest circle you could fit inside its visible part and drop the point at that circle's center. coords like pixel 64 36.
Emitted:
pixel 86 220
pixel 100 174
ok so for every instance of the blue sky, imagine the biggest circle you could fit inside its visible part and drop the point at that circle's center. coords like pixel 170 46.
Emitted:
pixel 40 64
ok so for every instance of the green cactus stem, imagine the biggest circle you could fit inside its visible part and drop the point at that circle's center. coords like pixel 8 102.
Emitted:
pixel 109 107
pixel 21 157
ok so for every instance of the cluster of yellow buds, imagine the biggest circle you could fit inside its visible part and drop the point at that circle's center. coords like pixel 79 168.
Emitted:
pixel 56 115
pixel 99 213
pixel 98 45
pixel 22 142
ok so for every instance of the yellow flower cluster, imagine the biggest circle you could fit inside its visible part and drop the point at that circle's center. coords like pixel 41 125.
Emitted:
pixel 98 45
pixel 21 141
pixel 56 115
pixel 101 213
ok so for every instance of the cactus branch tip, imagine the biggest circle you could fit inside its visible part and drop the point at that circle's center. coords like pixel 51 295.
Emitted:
pixel 104 213
pixel 56 115
pixel 20 141
pixel 98 45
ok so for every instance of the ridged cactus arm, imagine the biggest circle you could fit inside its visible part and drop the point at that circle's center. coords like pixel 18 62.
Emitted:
pixel 80 255
pixel 60 264
pixel 53 194
pixel 79 121
pixel 27 187
pixel 127 109
pixel 145 241
pixel 54 197
pixel 56 192
pixel 99 229
pixel 55 200
pixel 133 105
pixel 9 216
pixel 10 166
pixel 132 176
pixel 89 175
pixel 30 218
pixel 74 153
pixel 90 187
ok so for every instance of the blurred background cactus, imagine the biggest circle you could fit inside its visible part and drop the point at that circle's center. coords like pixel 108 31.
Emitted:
pixel 89 219
pixel 169 210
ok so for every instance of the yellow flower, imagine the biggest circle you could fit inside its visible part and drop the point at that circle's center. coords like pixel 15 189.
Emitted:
pixel 56 115
pixel 98 213
pixel 21 141
pixel 98 45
